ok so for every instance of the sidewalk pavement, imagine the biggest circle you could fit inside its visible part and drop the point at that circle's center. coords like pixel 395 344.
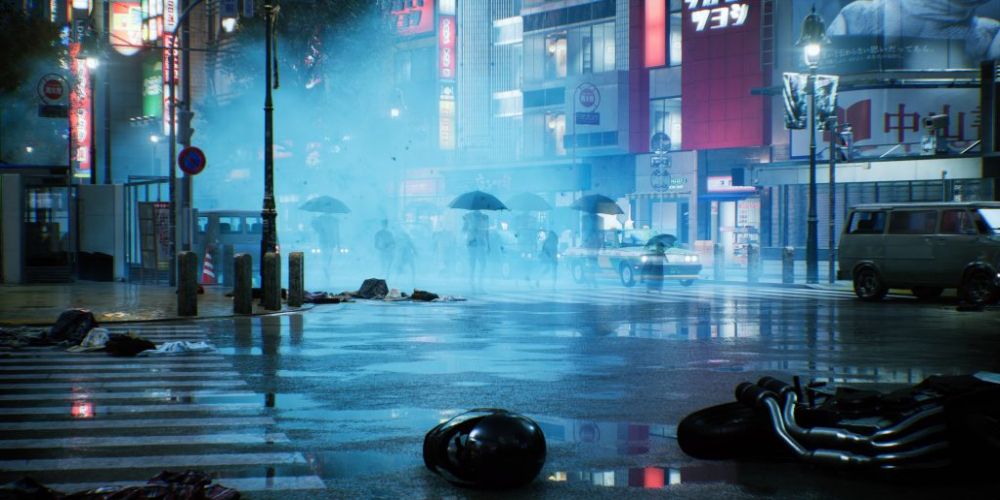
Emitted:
pixel 771 275
pixel 111 302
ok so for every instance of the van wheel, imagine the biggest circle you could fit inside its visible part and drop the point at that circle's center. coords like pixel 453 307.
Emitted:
pixel 868 285
pixel 927 292
pixel 978 288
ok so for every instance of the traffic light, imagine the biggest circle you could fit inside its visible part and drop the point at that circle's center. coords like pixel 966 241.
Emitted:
pixel 184 129
pixel 845 142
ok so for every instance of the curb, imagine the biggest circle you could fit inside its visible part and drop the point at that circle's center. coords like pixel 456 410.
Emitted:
pixel 305 307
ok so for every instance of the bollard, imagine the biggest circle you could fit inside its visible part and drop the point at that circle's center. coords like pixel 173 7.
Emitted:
pixel 296 279
pixel 753 263
pixel 271 287
pixel 788 265
pixel 243 286
pixel 187 284
pixel 228 271
pixel 719 262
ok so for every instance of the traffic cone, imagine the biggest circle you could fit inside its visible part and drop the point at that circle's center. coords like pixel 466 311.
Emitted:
pixel 207 271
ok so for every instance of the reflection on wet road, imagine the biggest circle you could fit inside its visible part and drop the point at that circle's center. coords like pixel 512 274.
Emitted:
pixel 606 373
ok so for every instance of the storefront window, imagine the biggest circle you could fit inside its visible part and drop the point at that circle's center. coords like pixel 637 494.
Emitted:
pixel 592 49
pixel 555 56
pixel 674 40
pixel 665 117
pixel 555 125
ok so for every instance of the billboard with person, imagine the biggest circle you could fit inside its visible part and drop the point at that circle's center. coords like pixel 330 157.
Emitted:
pixel 880 35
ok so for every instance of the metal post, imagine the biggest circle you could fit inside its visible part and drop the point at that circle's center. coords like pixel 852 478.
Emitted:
pixel 833 128
pixel 186 187
pixel 812 271
pixel 270 285
pixel 296 279
pixel 788 265
pixel 187 292
pixel 93 112
pixel 269 238
pixel 171 154
pixel 107 97
pixel 243 286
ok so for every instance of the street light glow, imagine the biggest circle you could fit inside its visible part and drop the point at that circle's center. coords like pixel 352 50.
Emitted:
pixel 812 52
pixel 93 62
pixel 154 138
pixel 394 112
pixel 229 24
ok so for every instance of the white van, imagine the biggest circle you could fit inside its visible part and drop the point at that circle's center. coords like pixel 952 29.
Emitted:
pixel 925 247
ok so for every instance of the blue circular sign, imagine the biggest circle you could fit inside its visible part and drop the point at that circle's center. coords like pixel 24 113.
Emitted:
pixel 191 160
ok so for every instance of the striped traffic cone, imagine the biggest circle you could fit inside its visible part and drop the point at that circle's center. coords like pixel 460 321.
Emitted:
pixel 207 271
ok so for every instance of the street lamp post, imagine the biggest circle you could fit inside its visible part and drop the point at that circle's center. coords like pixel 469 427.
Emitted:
pixel 269 214
pixel 811 40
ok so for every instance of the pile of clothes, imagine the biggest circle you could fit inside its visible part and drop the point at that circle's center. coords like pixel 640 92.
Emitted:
pixel 167 485
pixel 376 289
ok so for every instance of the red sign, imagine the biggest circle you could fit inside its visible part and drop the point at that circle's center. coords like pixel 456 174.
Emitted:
pixel 722 64
pixel 51 88
pixel 191 160
pixel 446 47
pixel 656 34
pixel 79 112
pixel 416 16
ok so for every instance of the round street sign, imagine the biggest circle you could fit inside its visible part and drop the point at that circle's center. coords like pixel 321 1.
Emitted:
pixel 191 160
pixel 51 88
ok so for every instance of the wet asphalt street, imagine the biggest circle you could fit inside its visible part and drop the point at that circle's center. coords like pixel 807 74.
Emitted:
pixel 334 402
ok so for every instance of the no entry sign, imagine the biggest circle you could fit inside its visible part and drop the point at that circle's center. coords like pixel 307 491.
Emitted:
pixel 191 160
pixel 51 88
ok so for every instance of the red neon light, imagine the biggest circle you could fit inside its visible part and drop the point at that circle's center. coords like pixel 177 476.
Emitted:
pixel 79 111
pixel 82 409
pixel 417 16
pixel 656 33
pixel 653 478
pixel 446 47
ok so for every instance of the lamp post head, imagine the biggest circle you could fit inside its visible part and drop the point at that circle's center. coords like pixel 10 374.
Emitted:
pixel 812 38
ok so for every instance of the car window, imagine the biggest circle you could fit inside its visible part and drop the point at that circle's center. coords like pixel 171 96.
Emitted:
pixel 867 222
pixel 254 225
pixel 202 223
pixel 913 222
pixel 987 220
pixel 957 221
pixel 230 225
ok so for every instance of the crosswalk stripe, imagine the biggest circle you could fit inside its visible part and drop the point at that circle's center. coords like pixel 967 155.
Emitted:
pixel 103 410
pixel 74 367
pixel 98 357
pixel 130 441
pixel 241 484
pixel 126 384
pixel 84 376
pixel 166 394
pixel 134 423
pixel 153 461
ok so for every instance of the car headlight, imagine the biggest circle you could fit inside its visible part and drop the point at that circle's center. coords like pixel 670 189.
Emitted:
pixel 644 258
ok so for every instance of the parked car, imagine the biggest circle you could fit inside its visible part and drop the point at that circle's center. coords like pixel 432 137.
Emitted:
pixel 624 253
pixel 925 247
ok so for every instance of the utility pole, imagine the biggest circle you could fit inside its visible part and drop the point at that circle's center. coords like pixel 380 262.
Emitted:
pixel 269 214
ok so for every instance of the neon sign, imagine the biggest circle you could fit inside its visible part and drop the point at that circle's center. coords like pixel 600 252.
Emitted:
pixel 717 14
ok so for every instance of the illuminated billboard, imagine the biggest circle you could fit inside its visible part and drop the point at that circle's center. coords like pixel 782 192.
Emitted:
pixel 413 17
pixel 722 65
pixel 905 34
pixel 80 112
pixel 126 27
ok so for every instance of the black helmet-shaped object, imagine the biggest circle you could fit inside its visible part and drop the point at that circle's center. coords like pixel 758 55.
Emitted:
pixel 486 448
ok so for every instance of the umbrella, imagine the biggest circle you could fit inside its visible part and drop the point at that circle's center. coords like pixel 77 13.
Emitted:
pixel 477 200
pixel 528 202
pixel 668 240
pixel 597 204
pixel 326 205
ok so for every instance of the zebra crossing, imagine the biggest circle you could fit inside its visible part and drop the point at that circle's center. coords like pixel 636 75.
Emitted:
pixel 618 295
pixel 77 421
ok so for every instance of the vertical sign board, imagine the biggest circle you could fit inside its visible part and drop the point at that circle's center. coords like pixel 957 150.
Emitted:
pixel 655 54
pixel 169 81
pixel 447 59
pixel 722 63
pixel 79 112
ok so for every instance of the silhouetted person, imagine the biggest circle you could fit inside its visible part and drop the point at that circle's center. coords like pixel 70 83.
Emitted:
pixel 327 229
pixel 385 245
pixel 652 268
pixel 548 257
pixel 477 240
pixel 407 256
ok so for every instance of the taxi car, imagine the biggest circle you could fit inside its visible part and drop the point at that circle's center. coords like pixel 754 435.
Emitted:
pixel 624 253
